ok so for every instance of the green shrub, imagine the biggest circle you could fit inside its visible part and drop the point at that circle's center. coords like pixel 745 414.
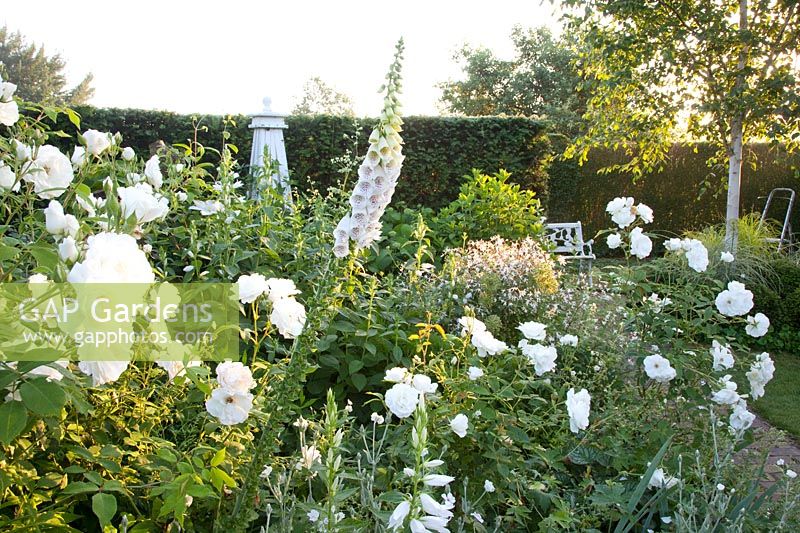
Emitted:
pixel 489 206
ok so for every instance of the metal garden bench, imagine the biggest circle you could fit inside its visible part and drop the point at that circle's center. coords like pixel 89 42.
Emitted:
pixel 567 238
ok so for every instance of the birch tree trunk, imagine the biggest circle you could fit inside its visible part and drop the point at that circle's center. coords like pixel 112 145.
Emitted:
pixel 735 146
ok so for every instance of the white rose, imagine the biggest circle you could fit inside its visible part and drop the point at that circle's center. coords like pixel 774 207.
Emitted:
pixel 235 377
pixel 761 372
pixel 673 245
pixel 568 340
pixel 641 245
pixel 96 141
pixel 289 316
pixel 8 180
pixel 229 407
pixel 55 222
pixel 533 330
pixel 735 300
pixel 757 326
pixel 402 400
pixel 658 368
pixel 459 424
pixel 621 211
pixel 68 250
pixel 471 325
pixel 176 368
pixel 128 154
pixel 486 344
pixel 78 156
pixel 51 172
pixel 251 286
pixel 181 196
pixel 103 372
pixel 153 173
pixel 280 288
pixel 9 113
pixel 7 90
pixel 398 374
pixel 696 255
pixel 578 406
pixel 645 213
pixel 722 355
pixel 423 384
pixel 727 395
pixel 474 373
pixel 613 241
pixel 741 419
pixel 542 357
pixel 141 201
pixel 726 257
pixel 112 258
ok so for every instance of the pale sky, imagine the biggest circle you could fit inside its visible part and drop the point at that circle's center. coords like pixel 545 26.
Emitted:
pixel 223 57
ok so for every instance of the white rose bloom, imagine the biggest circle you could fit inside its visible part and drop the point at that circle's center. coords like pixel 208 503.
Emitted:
pixel 229 407
pixel 181 196
pixel 757 326
pixel 658 368
pixel 727 395
pixel 459 424
pixel 661 481
pixel 68 250
pixel 289 316
pixel 761 372
pixel 96 141
pixel 741 419
pixel 280 288
pixel 7 90
pixel 533 330
pixel 578 406
pixel 140 200
pixel 207 207
pixel 673 245
pixel 542 357
pixel 103 372
pixel 614 240
pixel 153 173
pixel 51 172
pixel 641 245
pixel 488 486
pixel 398 374
pixel 474 373
pixel 723 357
pixel 9 113
pixel 621 211
pixel 38 278
pixel 568 340
pixel 735 300
pixel 235 377
pixel 23 152
pixel 423 384
pixel 48 371
pixel 471 325
pixel 176 368
pixel 128 154
pixel 78 156
pixel 402 400
pixel 399 515
pixel 251 286
pixel 696 255
pixel 486 344
pixel 645 213
pixel 8 180
pixel 112 258
pixel 55 221
pixel 726 257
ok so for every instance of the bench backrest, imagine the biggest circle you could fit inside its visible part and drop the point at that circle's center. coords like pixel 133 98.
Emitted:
pixel 567 236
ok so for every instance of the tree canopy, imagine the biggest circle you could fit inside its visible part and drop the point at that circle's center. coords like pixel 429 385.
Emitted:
pixel 319 98
pixel 539 81
pixel 40 78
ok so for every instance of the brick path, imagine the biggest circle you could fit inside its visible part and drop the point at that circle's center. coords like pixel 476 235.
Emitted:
pixel 780 446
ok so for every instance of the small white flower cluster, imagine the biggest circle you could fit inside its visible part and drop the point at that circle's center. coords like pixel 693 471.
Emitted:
pixel 482 338
pixel 696 253
pixel 231 402
pixel 404 396
pixel 288 315
pixel 9 111
pixel 623 214
pixel 377 175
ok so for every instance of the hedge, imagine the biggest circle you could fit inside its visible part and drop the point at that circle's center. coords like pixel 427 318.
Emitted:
pixel 677 194
pixel 440 151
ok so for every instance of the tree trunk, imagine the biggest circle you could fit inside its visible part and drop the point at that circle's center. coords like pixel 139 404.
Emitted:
pixel 735 145
pixel 734 185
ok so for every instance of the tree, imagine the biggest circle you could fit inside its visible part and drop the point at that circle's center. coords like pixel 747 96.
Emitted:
pixel 39 77
pixel 540 81
pixel 714 70
pixel 319 98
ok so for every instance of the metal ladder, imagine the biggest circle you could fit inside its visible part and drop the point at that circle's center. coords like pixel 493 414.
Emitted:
pixel 781 193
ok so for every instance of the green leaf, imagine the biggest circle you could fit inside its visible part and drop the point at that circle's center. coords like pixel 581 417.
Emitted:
pixel 359 380
pixel 80 487
pixel 42 397
pixel 218 458
pixel 355 365
pixel 104 507
pixel 13 418
pixel 220 478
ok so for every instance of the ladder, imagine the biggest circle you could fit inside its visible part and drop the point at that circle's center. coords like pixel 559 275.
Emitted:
pixel 780 193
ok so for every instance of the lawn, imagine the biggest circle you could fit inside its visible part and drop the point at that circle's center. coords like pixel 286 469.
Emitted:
pixel 780 404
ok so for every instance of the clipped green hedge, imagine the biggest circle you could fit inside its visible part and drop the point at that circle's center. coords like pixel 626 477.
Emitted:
pixel 440 151
pixel 579 193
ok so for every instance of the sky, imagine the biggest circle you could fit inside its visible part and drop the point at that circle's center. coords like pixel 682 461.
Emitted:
pixel 224 57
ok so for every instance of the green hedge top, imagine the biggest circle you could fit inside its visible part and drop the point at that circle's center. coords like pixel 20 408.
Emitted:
pixel 440 151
